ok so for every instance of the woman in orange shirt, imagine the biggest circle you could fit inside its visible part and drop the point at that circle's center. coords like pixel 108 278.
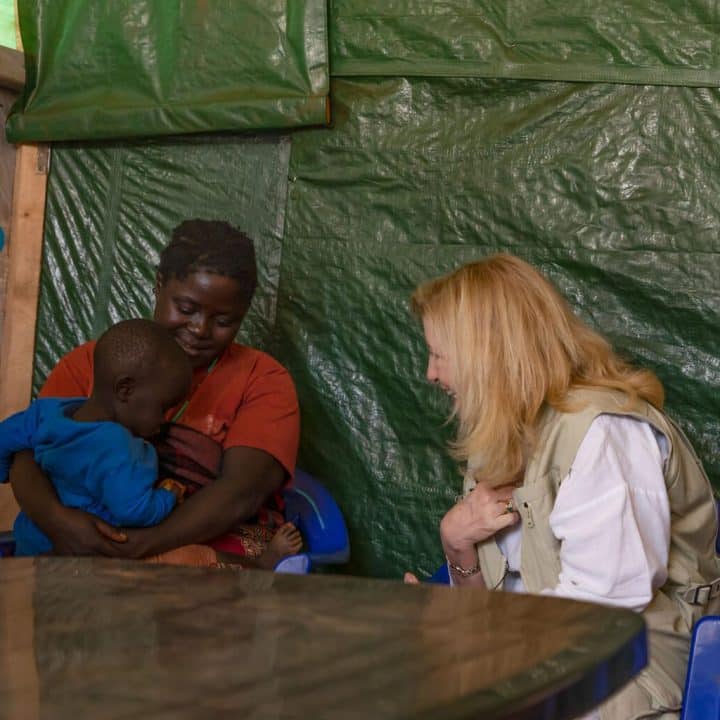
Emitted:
pixel 232 442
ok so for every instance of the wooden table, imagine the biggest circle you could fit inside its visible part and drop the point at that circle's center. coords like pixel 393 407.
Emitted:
pixel 115 640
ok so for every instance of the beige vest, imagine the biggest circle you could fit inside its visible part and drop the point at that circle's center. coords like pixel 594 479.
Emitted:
pixel 692 560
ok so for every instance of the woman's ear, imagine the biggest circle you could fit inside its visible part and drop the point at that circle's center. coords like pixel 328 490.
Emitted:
pixel 159 282
pixel 124 388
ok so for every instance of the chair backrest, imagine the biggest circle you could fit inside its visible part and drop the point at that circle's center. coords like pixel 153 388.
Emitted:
pixel 310 506
pixel 701 700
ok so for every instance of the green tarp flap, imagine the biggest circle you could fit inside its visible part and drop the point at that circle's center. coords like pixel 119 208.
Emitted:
pixel 131 68
pixel 666 42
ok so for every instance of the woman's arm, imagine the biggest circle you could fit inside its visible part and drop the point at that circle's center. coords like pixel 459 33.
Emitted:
pixel 72 532
pixel 248 477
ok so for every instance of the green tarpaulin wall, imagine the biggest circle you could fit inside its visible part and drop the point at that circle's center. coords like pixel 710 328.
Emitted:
pixel 612 189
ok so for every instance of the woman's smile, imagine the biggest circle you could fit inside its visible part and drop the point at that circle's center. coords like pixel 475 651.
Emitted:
pixel 203 310
pixel 190 346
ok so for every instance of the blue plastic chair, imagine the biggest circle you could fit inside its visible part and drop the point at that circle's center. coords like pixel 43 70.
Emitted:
pixel 441 576
pixel 701 699
pixel 315 513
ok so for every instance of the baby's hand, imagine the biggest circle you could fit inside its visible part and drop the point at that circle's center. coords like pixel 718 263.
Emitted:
pixel 175 487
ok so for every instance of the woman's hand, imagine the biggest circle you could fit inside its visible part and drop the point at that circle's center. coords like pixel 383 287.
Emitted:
pixel 478 516
pixel 75 532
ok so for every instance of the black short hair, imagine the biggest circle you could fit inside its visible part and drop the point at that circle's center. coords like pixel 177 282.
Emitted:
pixel 135 348
pixel 212 246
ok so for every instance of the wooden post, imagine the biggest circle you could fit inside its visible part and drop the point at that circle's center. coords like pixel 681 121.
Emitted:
pixel 23 284
pixel 26 226
pixel 12 69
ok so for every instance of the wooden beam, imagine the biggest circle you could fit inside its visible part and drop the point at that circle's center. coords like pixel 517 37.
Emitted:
pixel 23 282
pixel 16 611
pixel 24 249
pixel 12 69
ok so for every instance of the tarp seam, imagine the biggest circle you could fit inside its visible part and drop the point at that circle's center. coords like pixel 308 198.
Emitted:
pixel 456 68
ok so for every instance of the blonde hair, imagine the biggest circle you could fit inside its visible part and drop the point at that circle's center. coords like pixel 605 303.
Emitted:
pixel 513 345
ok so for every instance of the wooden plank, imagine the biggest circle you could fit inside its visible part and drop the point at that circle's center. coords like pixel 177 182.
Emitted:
pixel 12 69
pixel 23 281
pixel 8 508
pixel 24 248
pixel 16 618
pixel 7 175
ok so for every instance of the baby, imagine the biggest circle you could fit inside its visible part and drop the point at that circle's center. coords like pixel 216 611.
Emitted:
pixel 94 449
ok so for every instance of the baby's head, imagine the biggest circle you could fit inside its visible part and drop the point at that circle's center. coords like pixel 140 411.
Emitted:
pixel 140 373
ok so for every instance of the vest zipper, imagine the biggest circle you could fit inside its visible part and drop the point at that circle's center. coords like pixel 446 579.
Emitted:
pixel 506 570
pixel 528 512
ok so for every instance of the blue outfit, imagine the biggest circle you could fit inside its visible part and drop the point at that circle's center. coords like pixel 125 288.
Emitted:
pixel 99 467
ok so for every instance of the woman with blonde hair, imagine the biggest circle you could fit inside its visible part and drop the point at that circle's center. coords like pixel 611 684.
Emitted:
pixel 578 485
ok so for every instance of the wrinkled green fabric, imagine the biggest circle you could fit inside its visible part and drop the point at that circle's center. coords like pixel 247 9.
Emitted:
pixel 137 68
pixel 664 42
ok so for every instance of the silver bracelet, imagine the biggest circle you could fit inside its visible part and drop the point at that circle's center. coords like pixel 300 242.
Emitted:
pixel 464 572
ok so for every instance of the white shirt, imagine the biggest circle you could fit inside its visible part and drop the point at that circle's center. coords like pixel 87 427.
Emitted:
pixel 611 516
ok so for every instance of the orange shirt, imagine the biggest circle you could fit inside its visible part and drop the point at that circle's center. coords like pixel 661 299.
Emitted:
pixel 247 400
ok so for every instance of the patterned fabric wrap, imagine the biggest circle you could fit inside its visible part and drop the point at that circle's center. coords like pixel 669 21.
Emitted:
pixel 194 459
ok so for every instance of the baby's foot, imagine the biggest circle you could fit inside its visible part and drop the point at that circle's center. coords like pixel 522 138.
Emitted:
pixel 286 541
